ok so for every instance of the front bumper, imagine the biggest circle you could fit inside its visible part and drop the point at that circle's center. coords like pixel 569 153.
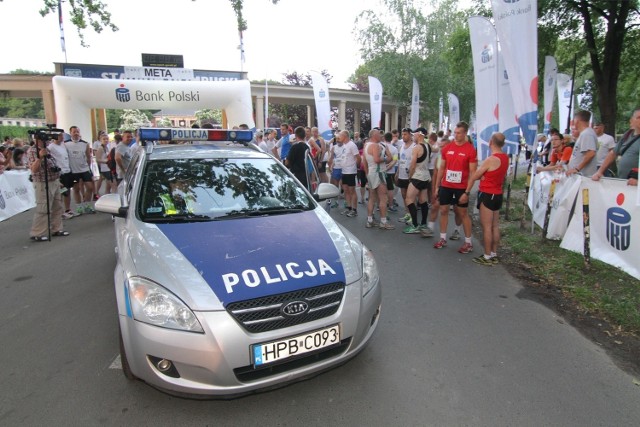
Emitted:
pixel 218 363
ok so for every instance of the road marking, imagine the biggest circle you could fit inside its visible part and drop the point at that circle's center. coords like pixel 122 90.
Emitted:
pixel 116 364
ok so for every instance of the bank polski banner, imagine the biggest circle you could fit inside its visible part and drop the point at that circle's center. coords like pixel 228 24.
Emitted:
pixel 507 121
pixel 564 99
pixel 415 105
pixel 323 106
pixel 563 198
pixel 454 108
pixel 375 100
pixel 484 49
pixel 16 193
pixel 550 76
pixel 517 28
pixel 614 220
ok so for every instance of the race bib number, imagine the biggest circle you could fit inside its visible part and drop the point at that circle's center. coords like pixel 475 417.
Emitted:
pixel 454 177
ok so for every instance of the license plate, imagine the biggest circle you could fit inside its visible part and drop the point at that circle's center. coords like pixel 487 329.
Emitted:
pixel 295 346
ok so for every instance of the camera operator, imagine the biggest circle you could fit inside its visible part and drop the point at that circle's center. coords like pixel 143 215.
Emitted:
pixel 48 211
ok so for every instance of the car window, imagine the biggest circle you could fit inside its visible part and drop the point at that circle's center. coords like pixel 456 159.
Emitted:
pixel 217 189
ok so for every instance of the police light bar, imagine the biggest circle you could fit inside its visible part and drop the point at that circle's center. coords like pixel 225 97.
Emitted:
pixel 171 134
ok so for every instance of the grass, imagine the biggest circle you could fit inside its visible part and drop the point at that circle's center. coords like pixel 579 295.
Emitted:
pixel 600 289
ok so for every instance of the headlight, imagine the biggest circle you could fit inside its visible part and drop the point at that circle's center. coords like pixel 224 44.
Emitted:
pixel 153 304
pixel 370 275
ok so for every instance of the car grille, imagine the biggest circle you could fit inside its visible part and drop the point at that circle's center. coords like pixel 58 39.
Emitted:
pixel 264 314
pixel 251 373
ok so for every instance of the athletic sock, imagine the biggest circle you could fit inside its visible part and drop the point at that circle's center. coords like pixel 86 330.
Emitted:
pixel 467 240
pixel 487 256
pixel 443 236
pixel 414 213
pixel 431 224
pixel 369 219
pixel 424 210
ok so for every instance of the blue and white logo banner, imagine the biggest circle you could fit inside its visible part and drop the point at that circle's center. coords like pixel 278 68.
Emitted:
pixel 550 77
pixel 564 99
pixel 516 26
pixel 375 99
pixel 323 106
pixel 454 108
pixel 415 105
pixel 484 48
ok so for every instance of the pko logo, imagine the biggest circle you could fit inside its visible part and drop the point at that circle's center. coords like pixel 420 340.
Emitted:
pixel 486 54
pixel 122 94
pixel 3 204
pixel 376 97
pixel 511 1
pixel 619 226
pixel 322 93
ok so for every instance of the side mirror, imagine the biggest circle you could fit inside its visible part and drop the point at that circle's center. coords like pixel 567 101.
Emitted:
pixel 110 203
pixel 325 191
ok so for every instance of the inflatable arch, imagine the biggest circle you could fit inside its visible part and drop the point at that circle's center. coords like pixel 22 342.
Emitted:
pixel 75 97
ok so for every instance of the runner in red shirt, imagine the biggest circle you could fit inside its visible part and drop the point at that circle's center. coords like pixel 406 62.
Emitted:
pixel 491 175
pixel 459 163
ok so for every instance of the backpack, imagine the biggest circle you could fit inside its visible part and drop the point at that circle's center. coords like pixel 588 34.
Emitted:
pixel 111 160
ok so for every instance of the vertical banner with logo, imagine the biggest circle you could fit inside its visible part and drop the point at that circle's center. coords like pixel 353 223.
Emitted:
pixel 323 107
pixel 564 99
pixel 550 76
pixel 375 99
pixel 415 105
pixel 454 108
pixel 484 47
pixel 614 226
pixel 507 122
pixel 441 114
pixel 517 28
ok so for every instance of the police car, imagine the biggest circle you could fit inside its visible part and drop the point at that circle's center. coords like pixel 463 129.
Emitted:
pixel 230 276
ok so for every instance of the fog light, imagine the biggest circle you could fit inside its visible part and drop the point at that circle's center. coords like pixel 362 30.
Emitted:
pixel 164 365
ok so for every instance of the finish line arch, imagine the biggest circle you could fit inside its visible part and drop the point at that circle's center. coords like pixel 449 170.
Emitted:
pixel 76 97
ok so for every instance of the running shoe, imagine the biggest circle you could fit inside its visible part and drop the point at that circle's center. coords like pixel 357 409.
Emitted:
pixel 392 209
pixel 410 229
pixel 334 204
pixel 67 215
pixel 79 211
pixel 89 210
pixel 440 244
pixel 466 248
pixel 406 218
pixel 426 232
pixel 345 211
pixel 352 213
pixel 495 260
pixel 371 224
pixel 455 235
pixel 483 261
pixel 386 226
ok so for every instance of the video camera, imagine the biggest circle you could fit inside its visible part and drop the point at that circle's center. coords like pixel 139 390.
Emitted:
pixel 46 134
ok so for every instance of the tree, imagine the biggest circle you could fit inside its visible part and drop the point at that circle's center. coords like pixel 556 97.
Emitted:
pixel 213 117
pixel 133 119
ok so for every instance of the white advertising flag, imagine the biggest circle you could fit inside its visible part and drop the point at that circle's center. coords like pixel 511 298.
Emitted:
pixel 454 108
pixel 484 48
pixel 441 114
pixel 517 28
pixel 564 99
pixel 323 107
pixel 550 76
pixel 415 105
pixel 507 122
pixel 375 99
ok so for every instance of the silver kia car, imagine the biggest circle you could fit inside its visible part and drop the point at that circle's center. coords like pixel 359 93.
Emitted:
pixel 230 276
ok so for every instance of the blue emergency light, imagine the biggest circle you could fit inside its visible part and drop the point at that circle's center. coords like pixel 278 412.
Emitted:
pixel 188 134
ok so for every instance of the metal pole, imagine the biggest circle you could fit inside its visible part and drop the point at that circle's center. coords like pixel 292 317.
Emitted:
pixel 573 78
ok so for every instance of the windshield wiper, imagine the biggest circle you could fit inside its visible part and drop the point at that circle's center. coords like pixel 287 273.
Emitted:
pixel 187 217
pixel 277 210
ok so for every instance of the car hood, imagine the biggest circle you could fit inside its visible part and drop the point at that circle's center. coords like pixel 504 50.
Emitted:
pixel 211 264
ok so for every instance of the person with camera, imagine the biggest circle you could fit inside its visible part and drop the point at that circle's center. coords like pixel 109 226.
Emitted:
pixel 45 175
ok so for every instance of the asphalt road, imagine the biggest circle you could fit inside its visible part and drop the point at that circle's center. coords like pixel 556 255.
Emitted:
pixel 455 346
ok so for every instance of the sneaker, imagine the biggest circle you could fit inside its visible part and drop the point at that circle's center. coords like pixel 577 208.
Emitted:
pixel 440 244
pixel 386 226
pixel 67 215
pixel 422 227
pixel 352 213
pixel 79 210
pixel 466 248
pixel 89 210
pixel 483 261
pixel 495 260
pixel 96 197
pixel 371 224
pixel 345 211
pixel 426 232
pixel 455 235
pixel 334 204
pixel 392 209
pixel 410 229
pixel 406 218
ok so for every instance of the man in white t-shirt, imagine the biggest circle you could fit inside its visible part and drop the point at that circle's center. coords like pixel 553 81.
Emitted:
pixel 80 153
pixel 350 163
pixel 402 174
pixel 606 142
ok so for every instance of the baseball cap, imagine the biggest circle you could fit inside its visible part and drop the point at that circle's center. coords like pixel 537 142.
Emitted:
pixel 422 131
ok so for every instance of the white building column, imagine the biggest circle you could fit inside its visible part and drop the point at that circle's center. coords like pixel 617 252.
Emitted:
pixel 387 121
pixel 356 121
pixel 49 106
pixel 259 112
pixel 394 118
pixel 311 111
pixel 342 115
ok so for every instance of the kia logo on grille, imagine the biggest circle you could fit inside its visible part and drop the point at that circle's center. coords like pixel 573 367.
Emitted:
pixel 295 308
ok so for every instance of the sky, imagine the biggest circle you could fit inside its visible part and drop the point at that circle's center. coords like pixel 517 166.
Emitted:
pixel 293 35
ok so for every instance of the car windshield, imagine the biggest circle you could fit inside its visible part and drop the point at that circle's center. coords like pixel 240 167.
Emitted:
pixel 218 189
